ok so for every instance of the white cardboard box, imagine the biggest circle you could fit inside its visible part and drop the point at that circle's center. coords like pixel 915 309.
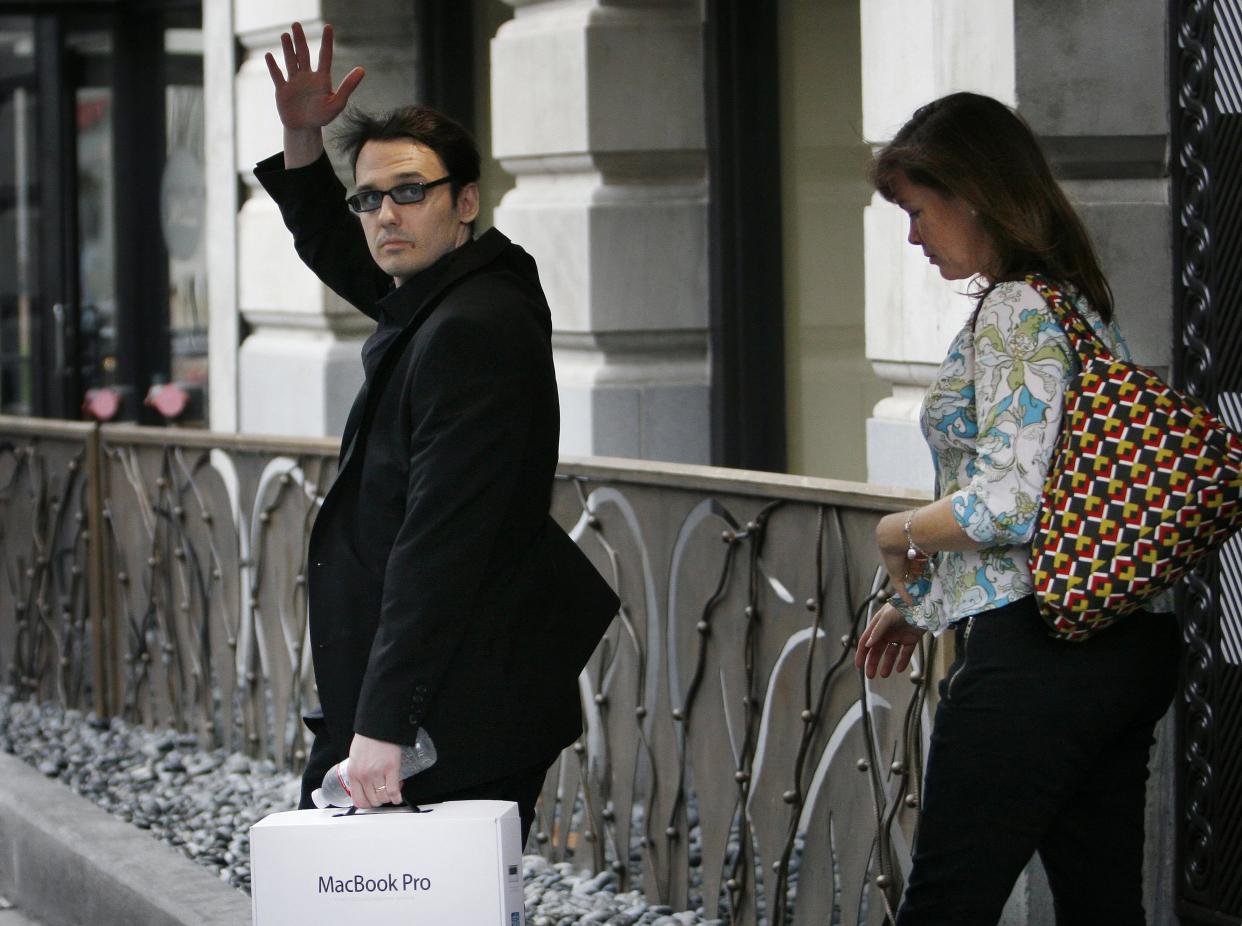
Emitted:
pixel 455 864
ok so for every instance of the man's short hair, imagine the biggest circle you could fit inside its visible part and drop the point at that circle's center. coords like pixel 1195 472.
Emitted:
pixel 421 124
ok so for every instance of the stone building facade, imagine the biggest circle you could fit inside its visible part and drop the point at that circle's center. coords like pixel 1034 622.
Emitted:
pixel 600 156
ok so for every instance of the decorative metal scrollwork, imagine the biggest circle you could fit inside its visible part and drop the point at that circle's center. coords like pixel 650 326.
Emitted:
pixel 732 757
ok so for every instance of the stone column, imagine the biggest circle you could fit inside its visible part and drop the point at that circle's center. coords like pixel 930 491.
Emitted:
pixel 598 110
pixel 1094 85
pixel 914 51
pixel 1091 82
pixel 299 367
pixel 220 160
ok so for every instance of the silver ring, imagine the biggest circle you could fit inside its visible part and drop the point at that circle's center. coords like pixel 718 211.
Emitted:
pixel 381 787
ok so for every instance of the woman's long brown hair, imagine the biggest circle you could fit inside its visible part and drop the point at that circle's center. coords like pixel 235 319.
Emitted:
pixel 979 150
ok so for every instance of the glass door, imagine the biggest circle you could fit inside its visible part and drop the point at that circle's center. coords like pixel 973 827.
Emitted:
pixel 19 240
pixel 183 211
pixel 92 311
pixel 56 190
pixel 102 276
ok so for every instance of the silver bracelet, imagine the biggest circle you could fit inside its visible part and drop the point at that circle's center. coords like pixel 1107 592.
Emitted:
pixel 913 551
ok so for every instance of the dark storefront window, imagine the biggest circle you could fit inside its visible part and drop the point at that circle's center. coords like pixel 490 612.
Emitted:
pixel 18 214
pixel 96 207
pixel 102 279
pixel 183 209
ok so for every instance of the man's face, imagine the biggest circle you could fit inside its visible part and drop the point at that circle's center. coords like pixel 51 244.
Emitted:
pixel 407 239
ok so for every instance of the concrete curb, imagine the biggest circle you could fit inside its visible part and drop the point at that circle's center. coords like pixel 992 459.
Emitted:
pixel 70 863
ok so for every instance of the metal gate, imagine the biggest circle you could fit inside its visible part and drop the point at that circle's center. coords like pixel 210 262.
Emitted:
pixel 1206 59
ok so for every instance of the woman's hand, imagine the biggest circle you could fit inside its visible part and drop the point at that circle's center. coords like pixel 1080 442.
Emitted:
pixel 890 537
pixel 888 643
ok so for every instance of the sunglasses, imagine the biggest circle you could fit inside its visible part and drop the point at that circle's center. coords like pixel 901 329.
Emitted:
pixel 404 195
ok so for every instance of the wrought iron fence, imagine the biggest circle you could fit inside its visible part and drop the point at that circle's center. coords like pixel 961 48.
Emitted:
pixel 191 546
pixel 49 632
pixel 732 756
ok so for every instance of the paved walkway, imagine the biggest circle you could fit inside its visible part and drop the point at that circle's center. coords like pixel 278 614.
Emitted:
pixel 11 916
pixel 81 865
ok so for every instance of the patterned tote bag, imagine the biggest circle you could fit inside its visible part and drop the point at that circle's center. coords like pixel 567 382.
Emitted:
pixel 1144 482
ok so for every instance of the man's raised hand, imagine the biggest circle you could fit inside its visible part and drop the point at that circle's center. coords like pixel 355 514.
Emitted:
pixel 305 99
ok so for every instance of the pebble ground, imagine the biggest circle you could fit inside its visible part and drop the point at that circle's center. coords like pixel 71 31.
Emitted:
pixel 203 802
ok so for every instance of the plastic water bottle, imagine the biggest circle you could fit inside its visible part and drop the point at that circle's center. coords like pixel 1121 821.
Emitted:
pixel 414 759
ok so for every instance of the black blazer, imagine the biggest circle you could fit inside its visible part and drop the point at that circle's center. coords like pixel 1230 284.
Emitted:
pixel 441 592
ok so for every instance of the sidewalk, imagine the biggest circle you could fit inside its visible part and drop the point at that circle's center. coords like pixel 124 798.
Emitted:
pixel 66 860
pixel 12 916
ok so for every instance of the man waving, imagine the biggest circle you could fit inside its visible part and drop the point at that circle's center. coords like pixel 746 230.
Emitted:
pixel 441 593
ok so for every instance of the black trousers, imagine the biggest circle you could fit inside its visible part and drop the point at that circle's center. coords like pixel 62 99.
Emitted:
pixel 1041 746
pixel 522 786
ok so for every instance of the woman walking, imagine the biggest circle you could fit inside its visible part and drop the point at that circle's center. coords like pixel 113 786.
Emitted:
pixel 1038 745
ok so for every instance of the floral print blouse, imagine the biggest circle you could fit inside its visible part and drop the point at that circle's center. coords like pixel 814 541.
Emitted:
pixel 991 418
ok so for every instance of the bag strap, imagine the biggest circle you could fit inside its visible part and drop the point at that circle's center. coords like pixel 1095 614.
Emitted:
pixel 1086 343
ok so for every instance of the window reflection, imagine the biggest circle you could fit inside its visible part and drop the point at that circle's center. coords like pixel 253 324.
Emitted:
pixel 77 309
pixel 183 210
pixel 18 213
pixel 96 223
